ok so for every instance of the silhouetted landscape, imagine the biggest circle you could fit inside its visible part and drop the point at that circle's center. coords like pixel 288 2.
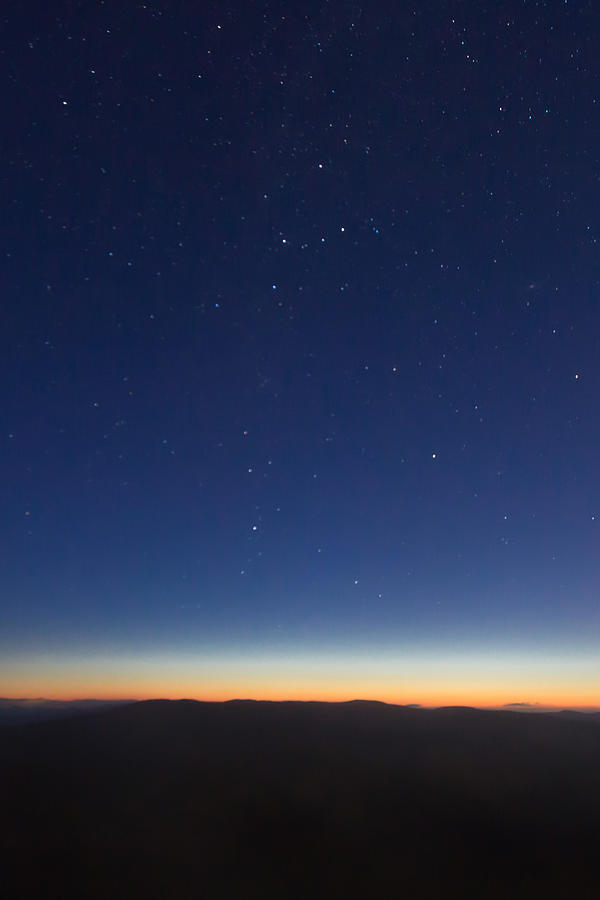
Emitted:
pixel 20 710
pixel 183 799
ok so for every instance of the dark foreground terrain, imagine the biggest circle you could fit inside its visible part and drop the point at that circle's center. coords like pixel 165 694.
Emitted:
pixel 168 799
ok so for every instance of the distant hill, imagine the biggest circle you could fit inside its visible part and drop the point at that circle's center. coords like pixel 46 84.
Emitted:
pixel 249 799
pixel 18 711
pixel 581 716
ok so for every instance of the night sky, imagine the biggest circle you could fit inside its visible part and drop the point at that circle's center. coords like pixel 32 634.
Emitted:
pixel 300 359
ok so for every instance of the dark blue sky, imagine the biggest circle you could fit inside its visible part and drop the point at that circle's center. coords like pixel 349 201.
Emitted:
pixel 300 344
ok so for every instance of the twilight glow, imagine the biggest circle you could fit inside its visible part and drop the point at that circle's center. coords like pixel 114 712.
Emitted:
pixel 428 678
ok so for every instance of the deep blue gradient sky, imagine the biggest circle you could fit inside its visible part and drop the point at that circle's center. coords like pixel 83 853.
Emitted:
pixel 300 332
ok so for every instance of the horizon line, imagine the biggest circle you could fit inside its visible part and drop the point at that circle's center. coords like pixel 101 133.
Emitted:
pixel 516 706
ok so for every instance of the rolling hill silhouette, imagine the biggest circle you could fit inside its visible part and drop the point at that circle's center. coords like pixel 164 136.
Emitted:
pixel 183 799
pixel 18 711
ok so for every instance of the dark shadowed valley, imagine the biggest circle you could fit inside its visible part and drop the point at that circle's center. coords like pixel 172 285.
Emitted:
pixel 181 799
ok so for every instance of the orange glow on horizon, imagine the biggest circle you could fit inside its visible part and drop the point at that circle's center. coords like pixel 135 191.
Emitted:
pixel 429 679
pixel 425 699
